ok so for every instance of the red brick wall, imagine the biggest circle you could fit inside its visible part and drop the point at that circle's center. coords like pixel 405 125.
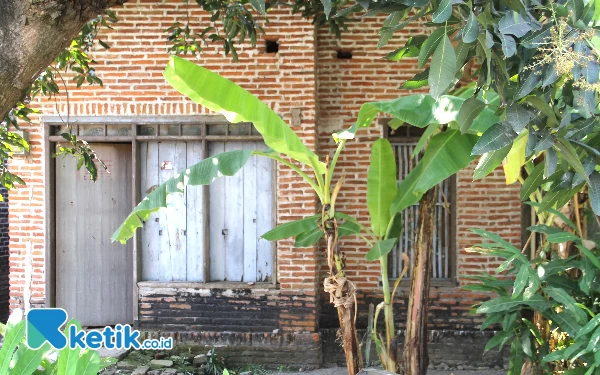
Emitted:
pixel 306 74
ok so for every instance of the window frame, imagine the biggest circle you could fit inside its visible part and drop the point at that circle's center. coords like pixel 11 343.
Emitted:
pixel 134 138
pixel 452 280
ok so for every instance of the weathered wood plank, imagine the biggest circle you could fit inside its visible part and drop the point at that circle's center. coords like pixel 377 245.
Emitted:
pixel 166 153
pixel 264 256
pixel 150 232
pixel 66 237
pixel 234 219
pixel 250 217
pixel 176 218
pixel 217 220
pixel 195 220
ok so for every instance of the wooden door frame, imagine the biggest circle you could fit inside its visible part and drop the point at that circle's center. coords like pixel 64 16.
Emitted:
pixel 50 140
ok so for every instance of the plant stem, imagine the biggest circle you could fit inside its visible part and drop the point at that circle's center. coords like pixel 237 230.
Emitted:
pixel 577 218
pixel 415 358
pixel 366 240
pixel 388 313
pixel 332 165
pixel 306 178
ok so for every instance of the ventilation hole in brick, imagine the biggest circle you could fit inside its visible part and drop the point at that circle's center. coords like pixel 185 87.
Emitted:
pixel 271 46
pixel 344 55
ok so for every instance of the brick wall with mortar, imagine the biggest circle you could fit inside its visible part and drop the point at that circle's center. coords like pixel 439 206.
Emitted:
pixel 306 73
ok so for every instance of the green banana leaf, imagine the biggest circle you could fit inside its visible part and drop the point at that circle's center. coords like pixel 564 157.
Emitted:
pixel 380 249
pixel 66 362
pixel 447 153
pixel 202 173
pixel 14 336
pixel 292 228
pixel 88 363
pixel 309 238
pixel 29 359
pixel 418 110
pixel 381 185
pixel 223 96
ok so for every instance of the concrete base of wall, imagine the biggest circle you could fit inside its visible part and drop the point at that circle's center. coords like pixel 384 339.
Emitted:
pixel 461 350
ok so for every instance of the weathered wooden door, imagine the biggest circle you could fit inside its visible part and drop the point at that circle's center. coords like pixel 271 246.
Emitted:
pixel 94 276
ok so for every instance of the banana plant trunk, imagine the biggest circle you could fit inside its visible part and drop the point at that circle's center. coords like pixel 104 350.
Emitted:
pixel 350 339
pixel 415 358
pixel 342 294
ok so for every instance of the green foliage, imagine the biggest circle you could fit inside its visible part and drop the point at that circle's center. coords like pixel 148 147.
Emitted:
pixel 215 364
pixel 17 358
pixel 82 151
pixel 381 185
pixel 472 126
pixel 380 250
pixel 563 291
pixel 231 22
pixel 442 69
pixel 292 228
pixel 239 105
pixel 541 61
pixel 447 153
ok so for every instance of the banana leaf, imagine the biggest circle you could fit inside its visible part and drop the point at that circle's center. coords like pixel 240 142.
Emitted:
pixel 238 105
pixel 381 185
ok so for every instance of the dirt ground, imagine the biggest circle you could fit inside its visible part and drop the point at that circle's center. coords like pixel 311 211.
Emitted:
pixel 342 371
pixel 144 363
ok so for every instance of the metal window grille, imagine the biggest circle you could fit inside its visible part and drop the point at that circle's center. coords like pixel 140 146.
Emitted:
pixel 443 232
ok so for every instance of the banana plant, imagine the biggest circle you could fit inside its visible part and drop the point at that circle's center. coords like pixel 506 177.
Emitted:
pixel 17 358
pixel 385 200
pixel 236 104
pixel 382 189
pixel 447 152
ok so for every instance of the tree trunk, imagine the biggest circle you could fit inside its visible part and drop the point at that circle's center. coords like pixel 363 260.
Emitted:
pixel 32 34
pixel 415 358
pixel 350 339
pixel 342 294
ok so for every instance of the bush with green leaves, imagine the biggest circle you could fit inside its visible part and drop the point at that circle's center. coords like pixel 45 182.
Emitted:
pixel 552 170
pixel 17 358
pixel 565 291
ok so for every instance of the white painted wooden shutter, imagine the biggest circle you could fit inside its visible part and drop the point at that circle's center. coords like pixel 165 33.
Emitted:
pixel 241 210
